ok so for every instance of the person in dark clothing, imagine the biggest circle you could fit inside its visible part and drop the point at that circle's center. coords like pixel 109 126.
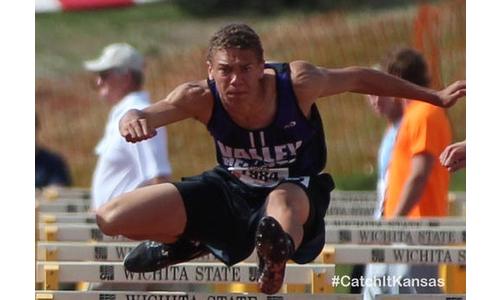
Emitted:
pixel 50 167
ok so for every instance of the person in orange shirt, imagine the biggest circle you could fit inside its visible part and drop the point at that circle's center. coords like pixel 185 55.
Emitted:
pixel 418 183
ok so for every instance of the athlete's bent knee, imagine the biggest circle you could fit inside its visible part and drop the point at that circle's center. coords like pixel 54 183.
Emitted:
pixel 106 220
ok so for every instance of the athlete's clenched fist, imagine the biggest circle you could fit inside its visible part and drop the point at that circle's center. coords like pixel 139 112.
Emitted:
pixel 134 126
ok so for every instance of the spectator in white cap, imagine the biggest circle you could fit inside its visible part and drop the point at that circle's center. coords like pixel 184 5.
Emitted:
pixel 122 166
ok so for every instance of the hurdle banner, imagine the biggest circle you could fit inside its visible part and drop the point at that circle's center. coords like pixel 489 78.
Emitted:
pixel 354 196
pixel 76 232
pixel 334 235
pixel 398 222
pixel 361 198
pixel 75 218
pixel 51 273
pixel 341 254
pixel 397 254
pixel 368 196
pixel 97 251
pixel 89 218
pixel 384 235
pixel 84 207
pixel 131 295
pixel 64 207
pixel 350 211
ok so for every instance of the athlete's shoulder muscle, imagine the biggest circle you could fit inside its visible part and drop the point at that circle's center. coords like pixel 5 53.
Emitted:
pixel 307 81
pixel 193 98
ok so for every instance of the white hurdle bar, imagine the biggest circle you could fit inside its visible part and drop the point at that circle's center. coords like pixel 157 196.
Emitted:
pixel 80 196
pixel 64 207
pixel 350 211
pixel 69 205
pixel 398 222
pixel 335 208
pixel 74 218
pixel 54 193
pixel 131 295
pixel 387 235
pixel 51 273
pixel 334 234
pixel 89 218
pixel 363 196
pixel 340 254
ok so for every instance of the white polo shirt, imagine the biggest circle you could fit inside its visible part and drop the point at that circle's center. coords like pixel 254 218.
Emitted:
pixel 122 166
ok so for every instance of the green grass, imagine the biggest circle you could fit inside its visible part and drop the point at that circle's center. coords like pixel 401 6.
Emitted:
pixel 458 181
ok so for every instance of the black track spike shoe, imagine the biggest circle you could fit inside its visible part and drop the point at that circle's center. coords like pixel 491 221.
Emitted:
pixel 274 247
pixel 150 256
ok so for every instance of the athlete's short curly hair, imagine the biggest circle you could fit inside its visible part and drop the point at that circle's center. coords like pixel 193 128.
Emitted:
pixel 239 36
pixel 408 64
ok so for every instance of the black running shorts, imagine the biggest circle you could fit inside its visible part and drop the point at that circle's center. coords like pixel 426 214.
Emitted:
pixel 222 212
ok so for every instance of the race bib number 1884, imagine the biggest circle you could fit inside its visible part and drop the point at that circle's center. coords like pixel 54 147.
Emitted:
pixel 259 176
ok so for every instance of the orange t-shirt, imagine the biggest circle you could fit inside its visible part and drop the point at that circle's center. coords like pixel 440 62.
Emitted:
pixel 424 129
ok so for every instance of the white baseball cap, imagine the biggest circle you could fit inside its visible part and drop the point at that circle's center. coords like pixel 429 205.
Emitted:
pixel 119 55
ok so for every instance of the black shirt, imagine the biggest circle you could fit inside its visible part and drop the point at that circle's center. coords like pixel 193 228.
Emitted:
pixel 50 168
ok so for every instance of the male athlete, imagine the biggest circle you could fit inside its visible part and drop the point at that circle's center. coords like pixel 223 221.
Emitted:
pixel 268 191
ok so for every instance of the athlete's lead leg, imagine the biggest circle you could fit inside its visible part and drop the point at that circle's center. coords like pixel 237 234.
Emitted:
pixel 154 212
pixel 280 233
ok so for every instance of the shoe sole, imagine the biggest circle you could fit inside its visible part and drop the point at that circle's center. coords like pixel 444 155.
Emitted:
pixel 270 241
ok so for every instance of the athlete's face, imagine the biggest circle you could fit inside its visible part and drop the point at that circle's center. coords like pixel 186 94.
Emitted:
pixel 236 72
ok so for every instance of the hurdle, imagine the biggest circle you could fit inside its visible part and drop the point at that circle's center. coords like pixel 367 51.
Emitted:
pixel 55 193
pixel 89 218
pixel 396 254
pixel 363 203
pixel 334 235
pixel 366 196
pixel 66 201
pixel 342 195
pixel 65 223
pixel 75 218
pixel 355 198
pixel 385 235
pixel 75 232
pixel 64 207
pixel 340 254
pixel 125 295
pixel 77 205
pixel 52 273
pixel 350 211
pixel 333 210
pixel 397 222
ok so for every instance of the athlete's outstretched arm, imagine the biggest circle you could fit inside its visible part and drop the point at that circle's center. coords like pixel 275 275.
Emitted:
pixel 189 100
pixel 326 82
